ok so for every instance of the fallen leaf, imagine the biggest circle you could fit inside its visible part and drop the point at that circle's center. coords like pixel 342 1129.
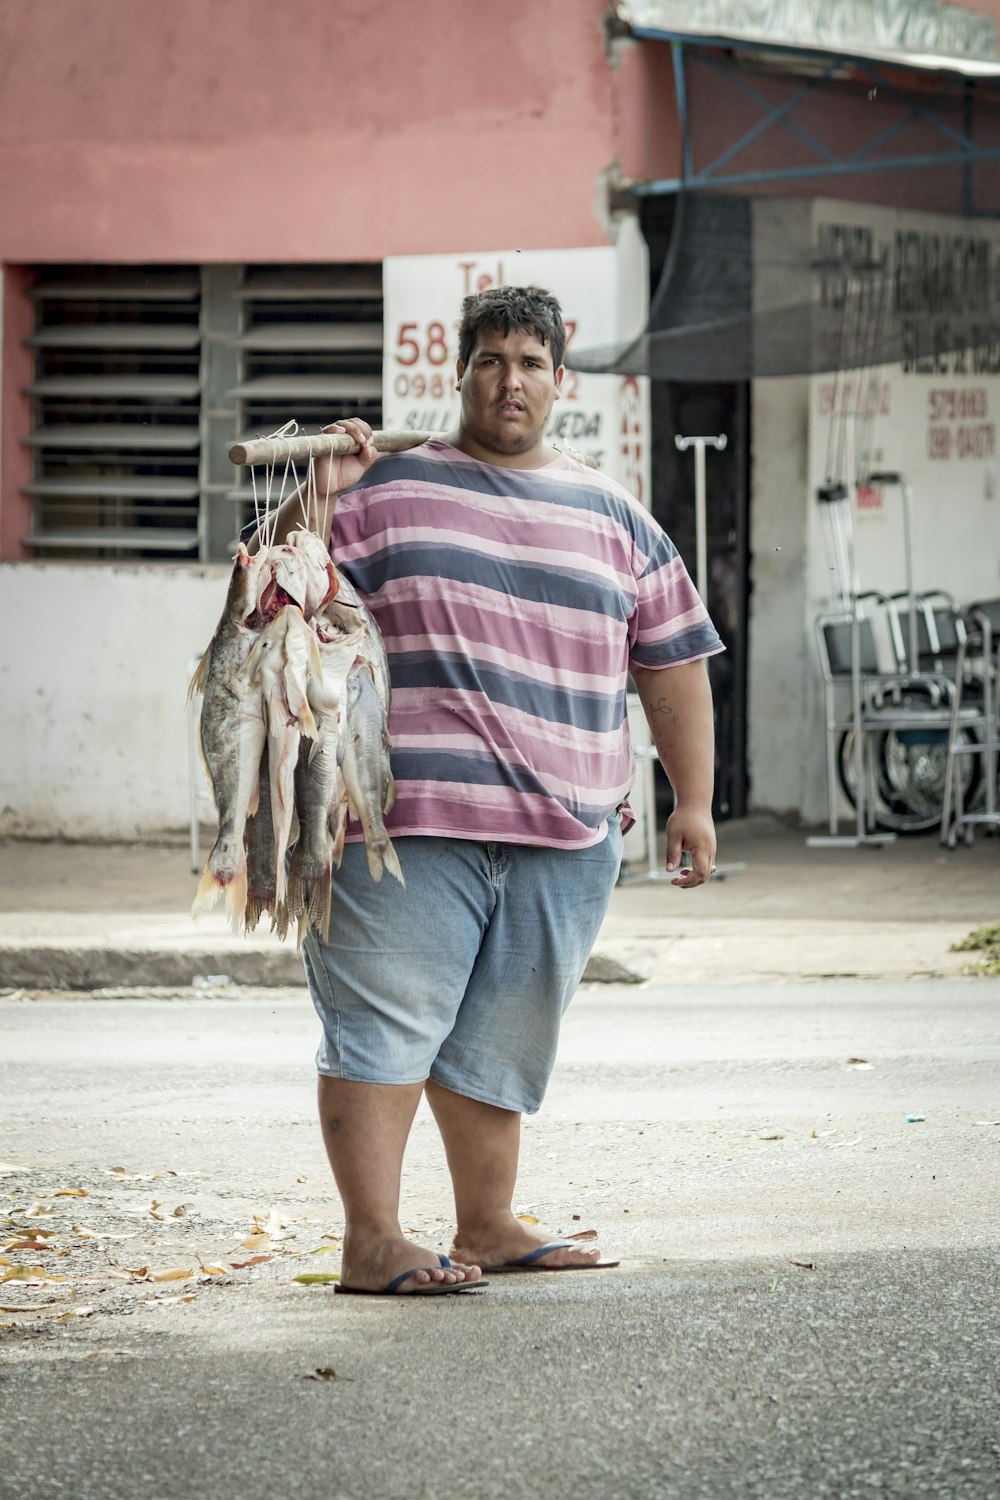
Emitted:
pixel 74 1312
pixel 38 1208
pixel 328 1374
pixel 22 1273
pixel 178 1273
pixel 316 1278
pixel 986 1122
pixel 255 1242
pixel 129 1273
pixel 805 1265
pixel 107 1354
pixel 85 1233
pixel 241 1265
pixel 325 1250
pixel 774 1136
pixel 820 1135
pixel 154 1209
pixel 120 1175
pixel 583 1234
pixel 528 1218
pixel 214 1271
pixel 858 1062
pixel 576 1216
pixel 27 1245
pixel 71 1193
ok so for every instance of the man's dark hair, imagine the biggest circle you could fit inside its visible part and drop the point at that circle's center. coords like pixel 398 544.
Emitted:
pixel 504 309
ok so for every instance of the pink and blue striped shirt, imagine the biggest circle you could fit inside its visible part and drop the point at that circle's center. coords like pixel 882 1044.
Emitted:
pixel 511 603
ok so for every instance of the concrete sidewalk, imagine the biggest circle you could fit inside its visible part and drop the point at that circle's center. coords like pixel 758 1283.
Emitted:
pixel 92 916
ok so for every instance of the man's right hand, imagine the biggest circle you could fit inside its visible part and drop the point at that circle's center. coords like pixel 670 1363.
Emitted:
pixel 336 472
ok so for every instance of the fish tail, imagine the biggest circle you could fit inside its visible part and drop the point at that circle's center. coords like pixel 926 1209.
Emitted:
pixel 210 888
pixel 236 898
pixel 391 861
pixel 256 907
pixel 318 910
pixel 225 876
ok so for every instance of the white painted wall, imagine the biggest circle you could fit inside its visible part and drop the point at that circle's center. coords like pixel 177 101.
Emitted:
pixel 956 515
pixel 93 662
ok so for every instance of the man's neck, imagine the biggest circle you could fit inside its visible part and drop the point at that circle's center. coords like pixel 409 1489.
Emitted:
pixel 535 458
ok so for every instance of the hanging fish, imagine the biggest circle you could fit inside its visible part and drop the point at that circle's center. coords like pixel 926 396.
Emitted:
pixel 318 789
pixel 364 766
pixel 279 667
pixel 231 736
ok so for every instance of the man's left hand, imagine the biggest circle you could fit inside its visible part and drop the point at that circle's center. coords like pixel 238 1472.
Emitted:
pixel 691 830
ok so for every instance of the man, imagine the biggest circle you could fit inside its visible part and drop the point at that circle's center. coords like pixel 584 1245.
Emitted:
pixel 514 589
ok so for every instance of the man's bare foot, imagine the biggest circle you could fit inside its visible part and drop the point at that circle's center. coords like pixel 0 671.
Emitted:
pixel 371 1265
pixel 509 1240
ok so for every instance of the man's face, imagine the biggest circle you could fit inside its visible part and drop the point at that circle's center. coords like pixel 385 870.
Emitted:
pixel 508 388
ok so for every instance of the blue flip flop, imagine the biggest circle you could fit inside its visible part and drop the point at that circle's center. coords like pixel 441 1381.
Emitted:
pixel 432 1289
pixel 529 1262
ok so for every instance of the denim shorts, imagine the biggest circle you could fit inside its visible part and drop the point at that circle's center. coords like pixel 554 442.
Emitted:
pixel 464 975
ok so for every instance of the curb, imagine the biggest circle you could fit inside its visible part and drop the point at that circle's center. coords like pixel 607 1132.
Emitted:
pixel 64 968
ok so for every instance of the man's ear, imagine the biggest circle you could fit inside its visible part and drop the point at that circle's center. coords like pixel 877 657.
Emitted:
pixel 459 372
pixel 559 379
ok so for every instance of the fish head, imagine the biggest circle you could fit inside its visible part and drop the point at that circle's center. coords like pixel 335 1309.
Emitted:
pixel 287 581
pixel 245 584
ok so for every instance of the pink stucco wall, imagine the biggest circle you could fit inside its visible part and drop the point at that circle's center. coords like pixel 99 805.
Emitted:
pixel 318 129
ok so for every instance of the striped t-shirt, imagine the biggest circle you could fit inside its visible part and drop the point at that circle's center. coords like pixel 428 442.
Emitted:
pixel 511 603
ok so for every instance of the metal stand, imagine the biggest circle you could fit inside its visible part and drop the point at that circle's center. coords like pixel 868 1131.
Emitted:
pixel 836 500
pixel 699 444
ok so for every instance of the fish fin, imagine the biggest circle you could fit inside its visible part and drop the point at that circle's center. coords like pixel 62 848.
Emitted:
pixel 255 908
pixel 391 860
pixel 199 677
pixel 210 888
pixel 254 802
pixel 317 911
pixel 236 898
pixel 390 794
pixel 307 724
pixel 338 827
pixel 279 920
pixel 374 864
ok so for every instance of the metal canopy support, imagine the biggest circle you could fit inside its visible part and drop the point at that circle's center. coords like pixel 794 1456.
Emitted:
pixel 964 151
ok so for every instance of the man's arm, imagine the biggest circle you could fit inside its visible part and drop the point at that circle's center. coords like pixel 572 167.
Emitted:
pixel 677 702
pixel 333 474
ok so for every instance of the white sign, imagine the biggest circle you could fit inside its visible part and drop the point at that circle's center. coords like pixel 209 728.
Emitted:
pixel 599 415
pixel 933 419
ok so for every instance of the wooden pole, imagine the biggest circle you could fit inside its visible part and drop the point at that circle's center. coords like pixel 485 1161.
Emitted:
pixel 280 450
pixel 276 451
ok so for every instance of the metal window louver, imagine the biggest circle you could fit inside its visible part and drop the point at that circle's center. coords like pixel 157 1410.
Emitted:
pixel 143 376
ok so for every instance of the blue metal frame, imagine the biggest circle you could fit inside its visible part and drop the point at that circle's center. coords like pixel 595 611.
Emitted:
pixel 830 165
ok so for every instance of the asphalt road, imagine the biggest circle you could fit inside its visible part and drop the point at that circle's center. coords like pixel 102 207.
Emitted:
pixel 807 1304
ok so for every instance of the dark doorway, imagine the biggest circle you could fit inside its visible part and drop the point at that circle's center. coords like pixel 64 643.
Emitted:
pixel 692 409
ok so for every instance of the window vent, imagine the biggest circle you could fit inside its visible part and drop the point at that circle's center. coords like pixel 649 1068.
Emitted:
pixel 144 375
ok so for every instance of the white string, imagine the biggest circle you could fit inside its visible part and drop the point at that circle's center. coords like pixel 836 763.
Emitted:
pixel 287 431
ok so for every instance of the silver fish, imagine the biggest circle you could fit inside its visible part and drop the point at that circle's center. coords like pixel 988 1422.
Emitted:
pixel 232 735
pixel 364 766
pixel 279 668
pixel 318 787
